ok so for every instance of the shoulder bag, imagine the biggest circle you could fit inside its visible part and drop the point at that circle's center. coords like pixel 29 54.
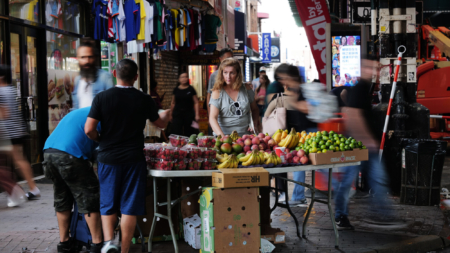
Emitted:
pixel 250 114
pixel 277 118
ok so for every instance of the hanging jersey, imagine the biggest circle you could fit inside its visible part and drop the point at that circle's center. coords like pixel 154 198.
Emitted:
pixel 121 17
pixel 181 25
pixel 109 12
pixel 99 8
pixel 132 20
pixel 148 22
pixel 141 33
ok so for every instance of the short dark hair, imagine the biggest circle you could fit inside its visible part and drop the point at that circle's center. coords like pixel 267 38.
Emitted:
pixel 88 42
pixel 126 70
pixel 224 51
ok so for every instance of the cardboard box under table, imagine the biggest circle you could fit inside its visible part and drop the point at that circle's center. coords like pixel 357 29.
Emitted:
pixel 230 220
pixel 238 178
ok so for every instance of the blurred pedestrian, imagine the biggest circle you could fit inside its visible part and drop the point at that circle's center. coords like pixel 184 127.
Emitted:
pixel 261 92
pixel 223 54
pixel 67 162
pixel 122 112
pixel 289 76
pixel 92 79
pixel 233 104
pixel 358 121
pixel 15 131
pixel 340 94
pixel 257 81
pixel 184 107
pixel 154 93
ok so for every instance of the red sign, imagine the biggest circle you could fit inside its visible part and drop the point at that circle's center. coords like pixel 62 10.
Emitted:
pixel 314 16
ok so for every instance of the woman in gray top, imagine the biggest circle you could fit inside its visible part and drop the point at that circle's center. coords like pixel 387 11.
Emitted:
pixel 233 103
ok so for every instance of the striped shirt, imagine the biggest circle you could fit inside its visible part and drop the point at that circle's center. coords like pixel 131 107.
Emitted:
pixel 14 125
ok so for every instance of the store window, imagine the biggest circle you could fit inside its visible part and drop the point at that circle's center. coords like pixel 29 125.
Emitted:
pixel 109 58
pixel 62 68
pixel 195 79
pixel 25 9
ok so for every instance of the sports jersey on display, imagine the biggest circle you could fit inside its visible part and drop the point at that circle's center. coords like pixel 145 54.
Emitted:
pixel 100 8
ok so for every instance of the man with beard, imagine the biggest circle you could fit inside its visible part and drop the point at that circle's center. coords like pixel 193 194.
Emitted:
pixel 92 80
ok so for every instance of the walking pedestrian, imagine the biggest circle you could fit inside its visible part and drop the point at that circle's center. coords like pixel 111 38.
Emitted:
pixel 232 102
pixel 261 92
pixel 257 81
pixel 289 77
pixel 92 79
pixel 122 112
pixel 67 162
pixel 223 54
pixel 184 107
pixel 154 93
pixel 358 121
pixel 15 131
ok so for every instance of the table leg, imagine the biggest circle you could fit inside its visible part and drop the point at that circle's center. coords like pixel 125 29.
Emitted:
pixel 313 193
pixel 169 215
pixel 330 209
pixel 276 196
pixel 289 208
pixel 155 211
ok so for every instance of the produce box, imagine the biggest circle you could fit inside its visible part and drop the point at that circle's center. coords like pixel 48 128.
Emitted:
pixel 237 178
pixel 355 155
pixel 230 223
pixel 274 235
pixel 192 231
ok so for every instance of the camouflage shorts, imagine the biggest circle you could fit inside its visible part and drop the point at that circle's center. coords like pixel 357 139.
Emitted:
pixel 73 179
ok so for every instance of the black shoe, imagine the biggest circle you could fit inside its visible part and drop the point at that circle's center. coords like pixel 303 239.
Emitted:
pixel 31 196
pixel 342 223
pixel 96 248
pixel 65 247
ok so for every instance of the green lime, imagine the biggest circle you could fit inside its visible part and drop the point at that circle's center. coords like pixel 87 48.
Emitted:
pixel 297 148
pixel 324 151
pixel 347 147
pixel 313 150
pixel 340 135
pixel 314 144
pixel 353 140
pixel 325 138
pixel 342 139
pixel 331 132
pixel 338 142
pixel 352 146
pixel 342 145
pixel 347 142
pixel 342 148
pixel 359 144
pixel 324 133
pixel 335 136
pixel 336 149
pixel 323 147
pixel 321 142
pixel 332 147
pixel 363 147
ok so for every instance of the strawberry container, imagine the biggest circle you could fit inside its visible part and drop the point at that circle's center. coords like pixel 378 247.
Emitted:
pixel 193 164
pixel 162 164
pixel 206 141
pixel 179 154
pixel 193 152
pixel 180 164
pixel 209 153
pixel 151 150
pixel 165 152
pixel 209 164
pixel 178 140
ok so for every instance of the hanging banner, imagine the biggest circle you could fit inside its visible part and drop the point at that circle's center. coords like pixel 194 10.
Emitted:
pixel 266 44
pixel 314 15
pixel 239 35
pixel 275 50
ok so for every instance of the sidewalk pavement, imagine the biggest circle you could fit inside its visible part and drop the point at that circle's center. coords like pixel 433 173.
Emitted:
pixel 33 226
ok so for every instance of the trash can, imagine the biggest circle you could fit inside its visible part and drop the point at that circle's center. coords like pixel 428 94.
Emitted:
pixel 422 164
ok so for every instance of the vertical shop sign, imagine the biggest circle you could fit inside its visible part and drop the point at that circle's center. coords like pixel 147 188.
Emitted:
pixel 266 44
pixel 275 50
pixel 239 35
pixel 315 15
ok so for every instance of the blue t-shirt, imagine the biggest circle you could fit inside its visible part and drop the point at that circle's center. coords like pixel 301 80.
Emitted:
pixel 132 20
pixel 99 9
pixel 69 135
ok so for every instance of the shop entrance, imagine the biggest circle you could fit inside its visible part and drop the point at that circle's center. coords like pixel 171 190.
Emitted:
pixel 24 43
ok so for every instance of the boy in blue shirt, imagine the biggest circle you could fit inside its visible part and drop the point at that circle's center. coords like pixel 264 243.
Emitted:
pixel 67 152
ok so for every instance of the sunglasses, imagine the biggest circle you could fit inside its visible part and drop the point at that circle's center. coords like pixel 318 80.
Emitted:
pixel 237 108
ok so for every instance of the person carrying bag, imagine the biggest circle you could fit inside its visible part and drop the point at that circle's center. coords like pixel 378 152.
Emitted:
pixel 275 117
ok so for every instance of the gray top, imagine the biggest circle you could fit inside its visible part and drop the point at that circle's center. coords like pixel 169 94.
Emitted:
pixel 228 120
pixel 212 80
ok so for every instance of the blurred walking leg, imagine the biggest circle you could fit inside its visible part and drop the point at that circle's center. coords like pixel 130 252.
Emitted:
pixel 25 168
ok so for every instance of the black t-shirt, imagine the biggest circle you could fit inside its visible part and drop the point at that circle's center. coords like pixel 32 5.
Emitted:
pixel 359 97
pixel 184 100
pixel 123 113
pixel 337 92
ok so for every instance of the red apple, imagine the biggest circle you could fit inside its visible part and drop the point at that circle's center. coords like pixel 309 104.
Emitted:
pixel 271 142
pixel 256 141
pixel 248 142
pixel 288 156
pixel 247 148
pixel 261 135
pixel 294 153
pixel 301 153
pixel 262 146
pixel 274 147
pixel 287 150
pixel 248 152
pixel 267 138
pixel 296 159
pixel 240 143
pixel 255 147
pixel 304 160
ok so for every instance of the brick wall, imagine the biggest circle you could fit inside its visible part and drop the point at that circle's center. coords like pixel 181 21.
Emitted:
pixel 166 73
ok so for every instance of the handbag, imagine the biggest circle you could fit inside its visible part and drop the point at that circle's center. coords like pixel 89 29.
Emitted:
pixel 251 116
pixel 277 118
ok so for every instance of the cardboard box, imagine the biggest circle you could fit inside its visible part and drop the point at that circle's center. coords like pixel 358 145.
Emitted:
pixel 274 235
pixel 356 155
pixel 238 178
pixel 230 220
pixel 192 227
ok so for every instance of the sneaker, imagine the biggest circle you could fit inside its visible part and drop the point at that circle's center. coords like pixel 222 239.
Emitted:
pixel 31 196
pixel 282 197
pixel 342 223
pixel 110 247
pixel 360 195
pixel 297 203
pixel 64 247
pixel 17 197
pixel 96 248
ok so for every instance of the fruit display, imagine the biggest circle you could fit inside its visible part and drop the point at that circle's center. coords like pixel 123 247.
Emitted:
pixel 208 153
pixel 193 164
pixel 209 164
pixel 178 141
pixel 254 157
pixel 291 140
pixel 165 152
pixel 193 152
pixel 272 158
pixel 206 141
pixel 162 164
pixel 322 142
pixel 292 156
pixel 231 161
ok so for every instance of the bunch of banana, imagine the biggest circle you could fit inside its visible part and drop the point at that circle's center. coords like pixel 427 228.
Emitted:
pixel 279 135
pixel 291 140
pixel 255 157
pixel 234 136
pixel 230 162
pixel 272 158
pixel 222 158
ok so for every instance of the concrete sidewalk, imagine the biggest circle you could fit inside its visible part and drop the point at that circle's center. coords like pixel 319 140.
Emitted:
pixel 33 226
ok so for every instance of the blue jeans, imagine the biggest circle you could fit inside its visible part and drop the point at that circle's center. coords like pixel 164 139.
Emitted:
pixel 377 180
pixel 299 176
